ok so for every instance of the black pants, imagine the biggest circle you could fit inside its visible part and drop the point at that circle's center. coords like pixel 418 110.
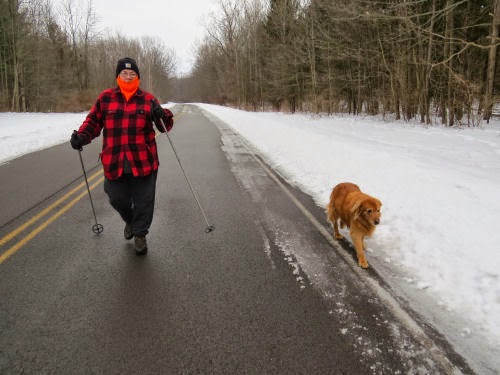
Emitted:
pixel 134 199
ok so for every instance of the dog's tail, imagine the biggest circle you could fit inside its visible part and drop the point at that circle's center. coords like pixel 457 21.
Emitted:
pixel 330 212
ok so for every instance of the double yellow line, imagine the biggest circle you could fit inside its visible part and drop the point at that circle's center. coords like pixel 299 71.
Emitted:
pixel 24 240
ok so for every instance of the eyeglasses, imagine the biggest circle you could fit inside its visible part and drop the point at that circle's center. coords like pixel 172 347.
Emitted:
pixel 128 73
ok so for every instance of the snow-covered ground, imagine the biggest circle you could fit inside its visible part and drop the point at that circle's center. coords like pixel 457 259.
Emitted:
pixel 438 240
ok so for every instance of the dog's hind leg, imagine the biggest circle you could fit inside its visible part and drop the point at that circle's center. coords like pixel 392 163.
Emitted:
pixel 336 232
pixel 332 218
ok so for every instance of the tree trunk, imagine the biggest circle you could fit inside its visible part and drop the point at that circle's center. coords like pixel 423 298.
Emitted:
pixel 15 104
pixel 425 101
pixel 488 97
pixel 449 49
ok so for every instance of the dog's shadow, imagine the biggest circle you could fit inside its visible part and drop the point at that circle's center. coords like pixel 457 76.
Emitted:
pixel 346 245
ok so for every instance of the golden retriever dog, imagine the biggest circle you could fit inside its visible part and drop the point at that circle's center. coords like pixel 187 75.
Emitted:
pixel 356 210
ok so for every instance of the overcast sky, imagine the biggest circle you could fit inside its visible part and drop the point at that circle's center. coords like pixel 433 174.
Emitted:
pixel 179 24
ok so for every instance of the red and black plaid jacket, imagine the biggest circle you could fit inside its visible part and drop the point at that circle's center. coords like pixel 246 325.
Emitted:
pixel 127 131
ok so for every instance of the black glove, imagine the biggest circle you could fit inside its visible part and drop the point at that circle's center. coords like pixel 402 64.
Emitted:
pixel 77 140
pixel 157 111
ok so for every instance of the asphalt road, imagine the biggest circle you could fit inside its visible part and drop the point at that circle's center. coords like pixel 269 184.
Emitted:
pixel 266 293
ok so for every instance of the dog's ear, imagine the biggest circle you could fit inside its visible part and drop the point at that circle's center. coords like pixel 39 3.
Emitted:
pixel 356 208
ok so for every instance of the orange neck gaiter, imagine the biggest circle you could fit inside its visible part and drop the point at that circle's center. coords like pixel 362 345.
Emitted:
pixel 128 88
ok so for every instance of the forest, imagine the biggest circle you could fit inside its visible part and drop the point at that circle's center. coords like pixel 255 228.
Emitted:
pixel 55 59
pixel 425 60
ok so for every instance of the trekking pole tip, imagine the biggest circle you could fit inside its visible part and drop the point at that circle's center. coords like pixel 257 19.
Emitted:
pixel 209 229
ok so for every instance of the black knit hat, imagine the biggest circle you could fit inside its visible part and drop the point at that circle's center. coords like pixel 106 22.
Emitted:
pixel 127 63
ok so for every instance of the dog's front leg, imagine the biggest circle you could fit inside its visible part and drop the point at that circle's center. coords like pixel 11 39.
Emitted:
pixel 357 240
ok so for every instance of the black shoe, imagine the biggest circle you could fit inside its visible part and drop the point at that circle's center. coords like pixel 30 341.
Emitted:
pixel 127 232
pixel 141 246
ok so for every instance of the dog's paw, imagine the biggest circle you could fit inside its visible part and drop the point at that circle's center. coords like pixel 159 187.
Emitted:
pixel 339 236
pixel 363 264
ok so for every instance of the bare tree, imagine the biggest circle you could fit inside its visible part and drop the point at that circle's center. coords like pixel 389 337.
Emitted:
pixel 157 66
pixel 12 27
pixel 79 22
pixel 492 54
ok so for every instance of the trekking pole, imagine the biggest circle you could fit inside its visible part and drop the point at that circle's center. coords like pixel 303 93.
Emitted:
pixel 209 228
pixel 96 228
